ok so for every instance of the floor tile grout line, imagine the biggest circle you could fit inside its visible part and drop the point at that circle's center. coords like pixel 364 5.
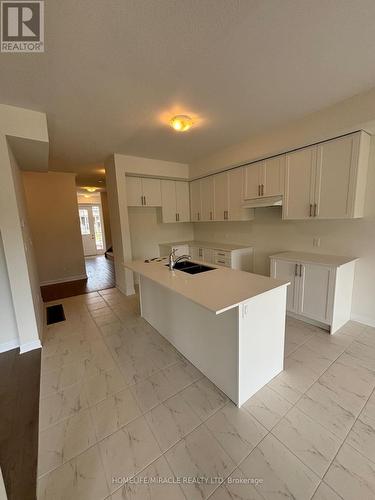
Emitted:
pixel 322 425
pixel 204 421
pixel 346 436
pixel 295 404
pixel 309 387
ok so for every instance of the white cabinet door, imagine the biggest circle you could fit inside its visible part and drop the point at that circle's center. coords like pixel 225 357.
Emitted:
pixel 316 292
pixel 221 196
pixel 300 184
pixel 134 191
pixel 285 270
pixel 273 176
pixel 253 174
pixel 208 255
pixel 182 201
pixel 194 253
pixel 207 197
pixel 168 200
pixel 195 200
pixel 334 186
pixel 235 193
pixel 151 192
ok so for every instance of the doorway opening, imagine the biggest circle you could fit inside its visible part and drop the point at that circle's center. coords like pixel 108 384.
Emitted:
pixel 93 238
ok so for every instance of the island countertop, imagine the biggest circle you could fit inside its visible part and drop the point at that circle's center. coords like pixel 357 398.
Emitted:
pixel 217 290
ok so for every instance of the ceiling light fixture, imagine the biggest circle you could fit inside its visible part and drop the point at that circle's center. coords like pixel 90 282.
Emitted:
pixel 90 189
pixel 181 123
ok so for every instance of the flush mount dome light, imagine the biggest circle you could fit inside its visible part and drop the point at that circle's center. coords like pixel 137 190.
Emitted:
pixel 181 123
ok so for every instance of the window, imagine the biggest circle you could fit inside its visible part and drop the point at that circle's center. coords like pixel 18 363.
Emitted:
pixel 84 221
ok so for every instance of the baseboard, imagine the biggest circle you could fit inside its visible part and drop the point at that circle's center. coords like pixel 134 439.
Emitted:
pixel 30 346
pixel 64 280
pixel 363 319
pixel 8 346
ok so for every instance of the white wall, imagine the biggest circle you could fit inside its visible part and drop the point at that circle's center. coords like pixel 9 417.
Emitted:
pixel 350 115
pixel 53 214
pixel 19 264
pixel 269 234
pixel 116 169
pixel 147 231
pixel 8 329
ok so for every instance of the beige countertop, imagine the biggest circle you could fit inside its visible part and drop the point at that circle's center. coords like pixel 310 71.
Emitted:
pixel 207 244
pixel 314 258
pixel 217 290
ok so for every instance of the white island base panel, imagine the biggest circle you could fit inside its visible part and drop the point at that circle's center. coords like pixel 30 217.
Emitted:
pixel 239 350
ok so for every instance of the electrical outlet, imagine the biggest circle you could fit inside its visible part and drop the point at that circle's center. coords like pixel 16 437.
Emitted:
pixel 316 242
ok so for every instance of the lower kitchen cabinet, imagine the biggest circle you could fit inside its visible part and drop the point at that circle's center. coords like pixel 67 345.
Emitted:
pixel 240 258
pixel 320 289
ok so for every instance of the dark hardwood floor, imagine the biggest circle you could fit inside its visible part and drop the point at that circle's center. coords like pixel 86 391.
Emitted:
pixel 100 275
pixel 19 414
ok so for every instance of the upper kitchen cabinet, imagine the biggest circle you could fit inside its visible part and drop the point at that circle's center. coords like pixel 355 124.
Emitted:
pixel 299 183
pixel 221 190
pixel 195 200
pixel 175 201
pixel 253 179
pixel 327 181
pixel 235 196
pixel 207 198
pixel 272 176
pixel 265 178
pixel 341 176
pixel 228 196
pixel 143 191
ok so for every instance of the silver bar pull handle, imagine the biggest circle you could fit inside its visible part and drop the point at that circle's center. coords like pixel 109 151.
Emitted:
pixel 311 210
pixel 315 209
pixel 296 270
pixel 210 215
pixel 300 270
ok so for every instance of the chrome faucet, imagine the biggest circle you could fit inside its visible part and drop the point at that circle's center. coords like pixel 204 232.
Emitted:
pixel 172 259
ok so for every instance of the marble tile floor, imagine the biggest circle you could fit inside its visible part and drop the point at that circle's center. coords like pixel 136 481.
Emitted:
pixel 119 402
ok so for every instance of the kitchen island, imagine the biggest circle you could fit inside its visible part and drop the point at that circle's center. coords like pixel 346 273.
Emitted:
pixel 229 324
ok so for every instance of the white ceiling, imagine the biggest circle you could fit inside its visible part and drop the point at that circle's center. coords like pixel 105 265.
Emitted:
pixel 114 70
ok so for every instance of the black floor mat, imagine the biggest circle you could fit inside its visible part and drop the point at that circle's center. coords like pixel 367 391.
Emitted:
pixel 55 314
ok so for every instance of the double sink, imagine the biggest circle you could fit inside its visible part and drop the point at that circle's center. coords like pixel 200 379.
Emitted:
pixel 191 267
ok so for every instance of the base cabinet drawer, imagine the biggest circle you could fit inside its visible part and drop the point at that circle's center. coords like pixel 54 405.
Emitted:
pixel 222 258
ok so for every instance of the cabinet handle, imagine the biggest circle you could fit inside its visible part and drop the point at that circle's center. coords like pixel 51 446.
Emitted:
pixel 311 210
pixel 210 215
pixel 262 189
pixel 141 200
pixel 296 270
pixel 315 209
pixel 176 217
pixel 144 197
pixel 258 189
pixel 198 216
pixel 300 270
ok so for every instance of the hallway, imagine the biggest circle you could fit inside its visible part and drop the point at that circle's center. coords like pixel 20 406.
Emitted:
pixel 100 276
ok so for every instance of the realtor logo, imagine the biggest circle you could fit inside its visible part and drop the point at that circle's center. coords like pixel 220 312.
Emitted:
pixel 22 26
